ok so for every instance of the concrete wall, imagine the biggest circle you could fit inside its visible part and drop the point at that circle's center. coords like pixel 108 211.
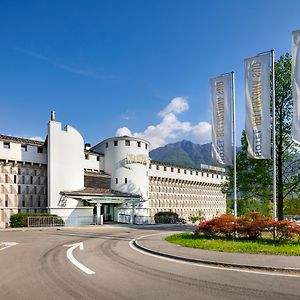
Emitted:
pixel 93 162
pixel 16 153
pixel 65 165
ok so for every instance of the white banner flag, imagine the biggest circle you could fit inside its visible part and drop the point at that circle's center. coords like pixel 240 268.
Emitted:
pixel 221 96
pixel 296 85
pixel 258 120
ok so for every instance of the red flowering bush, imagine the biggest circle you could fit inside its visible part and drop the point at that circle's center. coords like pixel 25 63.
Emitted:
pixel 249 226
pixel 224 224
pixel 286 230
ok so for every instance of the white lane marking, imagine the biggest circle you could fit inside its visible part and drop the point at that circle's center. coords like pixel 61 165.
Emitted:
pixel 206 266
pixel 8 245
pixel 74 261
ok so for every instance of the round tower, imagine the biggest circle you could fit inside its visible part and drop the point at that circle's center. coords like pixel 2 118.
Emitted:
pixel 126 159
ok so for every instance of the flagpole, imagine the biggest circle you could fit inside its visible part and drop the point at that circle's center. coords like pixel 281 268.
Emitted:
pixel 234 142
pixel 274 137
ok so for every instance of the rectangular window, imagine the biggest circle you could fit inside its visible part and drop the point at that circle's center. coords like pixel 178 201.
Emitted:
pixel 196 173
pixel 35 172
pixel 106 145
pixel 19 171
pixel 23 203
pixel 6 145
pixel 184 171
pixel 31 179
pixel 6 178
pixel 23 179
pixel 115 143
pixel 165 168
pixel 39 203
pixel 146 146
pixel 19 189
pixel 116 180
pixel 150 166
pixel 35 190
pixel 98 158
pixel 125 180
pixel 86 156
pixel 157 167
pixel 191 172
pixel 127 143
pixel 24 147
pixel 172 169
pixel 178 170
pixel 39 149
pixel 139 144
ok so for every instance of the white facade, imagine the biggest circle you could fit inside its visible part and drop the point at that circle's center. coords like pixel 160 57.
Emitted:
pixel 116 174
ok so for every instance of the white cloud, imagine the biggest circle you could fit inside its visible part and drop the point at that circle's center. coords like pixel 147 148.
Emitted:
pixel 123 131
pixel 171 129
pixel 37 138
pixel 176 106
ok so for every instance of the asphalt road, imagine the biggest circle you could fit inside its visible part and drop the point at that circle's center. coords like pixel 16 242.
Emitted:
pixel 39 268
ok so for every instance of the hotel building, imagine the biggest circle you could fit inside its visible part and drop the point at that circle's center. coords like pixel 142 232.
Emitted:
pixel 114 180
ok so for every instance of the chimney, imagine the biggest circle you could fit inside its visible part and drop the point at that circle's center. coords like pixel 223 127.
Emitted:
pixel 52 115
pixel 87 146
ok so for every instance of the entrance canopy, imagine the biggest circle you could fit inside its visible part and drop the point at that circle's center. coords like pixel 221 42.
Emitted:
pixel 103 196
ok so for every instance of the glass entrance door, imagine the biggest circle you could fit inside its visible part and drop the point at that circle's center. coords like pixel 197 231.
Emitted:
pixel 108 212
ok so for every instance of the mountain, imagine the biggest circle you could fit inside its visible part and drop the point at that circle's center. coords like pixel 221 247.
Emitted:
pixel 184 153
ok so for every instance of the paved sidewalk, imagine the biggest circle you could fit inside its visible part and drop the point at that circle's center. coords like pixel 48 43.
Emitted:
pixel 157 245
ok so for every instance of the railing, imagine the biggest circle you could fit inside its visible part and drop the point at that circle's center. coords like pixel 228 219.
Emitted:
pixel 142 220
pixel 44 221
pixel 50 221
pixel 122 218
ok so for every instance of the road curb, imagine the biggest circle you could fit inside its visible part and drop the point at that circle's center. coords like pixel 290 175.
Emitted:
pixel 216 263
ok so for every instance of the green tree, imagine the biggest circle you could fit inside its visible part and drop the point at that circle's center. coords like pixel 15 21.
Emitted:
pixel 254 177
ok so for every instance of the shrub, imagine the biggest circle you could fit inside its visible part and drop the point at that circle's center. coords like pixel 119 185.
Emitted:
pixel 20 219
pixel 224 224
pixel 251 226
pixel 286 230
pixel 166 217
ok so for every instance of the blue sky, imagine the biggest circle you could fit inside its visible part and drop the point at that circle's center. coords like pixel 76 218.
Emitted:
pixel 110 67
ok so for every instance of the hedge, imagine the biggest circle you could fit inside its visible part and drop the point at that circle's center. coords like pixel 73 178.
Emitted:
pixel 20 219
pixel 166 217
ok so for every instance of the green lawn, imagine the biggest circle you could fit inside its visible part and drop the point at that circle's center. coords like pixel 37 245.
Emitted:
pixel 261 246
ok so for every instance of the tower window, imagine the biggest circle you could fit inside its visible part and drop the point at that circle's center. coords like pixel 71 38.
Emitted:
pixel 106 145
pixel 86 156
pixel 39 149
pixel 127 143
pixel 125 180
pixel 24 147
pixel 6 145
pixel 116 180
pixel 115 143
pixel 139 144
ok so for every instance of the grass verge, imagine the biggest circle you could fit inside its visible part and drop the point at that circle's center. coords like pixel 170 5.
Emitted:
pixel 261 246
